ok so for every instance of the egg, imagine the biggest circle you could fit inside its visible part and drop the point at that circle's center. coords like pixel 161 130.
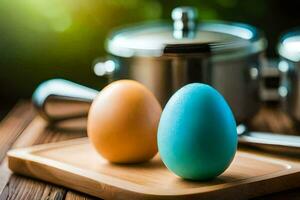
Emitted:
pixel 197 137
pixel 123 121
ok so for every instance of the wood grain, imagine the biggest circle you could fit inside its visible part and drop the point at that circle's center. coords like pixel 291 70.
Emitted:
pixel 31 189
pixel 10 128
pixel 17 128
pixel 72 195
pixel 13 125
pixel 75 164
pixel 37 132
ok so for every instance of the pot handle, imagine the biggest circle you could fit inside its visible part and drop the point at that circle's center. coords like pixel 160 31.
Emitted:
pixel 104 67
pixel 269 84
pixel 49 96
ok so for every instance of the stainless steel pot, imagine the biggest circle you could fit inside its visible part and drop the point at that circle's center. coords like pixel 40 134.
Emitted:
pixel 289 65
pixel 165 56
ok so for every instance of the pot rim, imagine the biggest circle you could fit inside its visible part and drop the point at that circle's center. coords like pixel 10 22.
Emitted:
pixel 252 40
pixel 286 49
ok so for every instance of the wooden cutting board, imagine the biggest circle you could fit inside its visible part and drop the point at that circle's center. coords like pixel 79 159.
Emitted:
pixel 76 165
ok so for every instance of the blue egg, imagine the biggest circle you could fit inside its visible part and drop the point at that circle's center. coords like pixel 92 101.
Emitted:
pixel 197 137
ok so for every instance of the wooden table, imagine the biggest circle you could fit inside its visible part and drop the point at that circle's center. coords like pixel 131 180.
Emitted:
pixel 16 131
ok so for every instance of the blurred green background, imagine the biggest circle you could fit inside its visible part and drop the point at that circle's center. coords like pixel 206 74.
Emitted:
pixel 42 39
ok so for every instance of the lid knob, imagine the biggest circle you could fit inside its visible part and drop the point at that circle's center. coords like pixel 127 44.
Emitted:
pixel 185 22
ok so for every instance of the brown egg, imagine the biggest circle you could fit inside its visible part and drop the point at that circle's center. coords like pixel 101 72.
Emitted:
pixel 123 122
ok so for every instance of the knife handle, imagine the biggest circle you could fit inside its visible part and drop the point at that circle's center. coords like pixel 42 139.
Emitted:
pixel 50 96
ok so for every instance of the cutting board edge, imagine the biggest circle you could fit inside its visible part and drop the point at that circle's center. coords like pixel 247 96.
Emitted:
pixel 17 156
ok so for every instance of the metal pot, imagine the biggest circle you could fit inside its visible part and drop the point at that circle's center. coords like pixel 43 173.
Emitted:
pixel 289 66
pixel 165 56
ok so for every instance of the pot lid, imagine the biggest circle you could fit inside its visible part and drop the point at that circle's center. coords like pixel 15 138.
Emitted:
pixel 186 36
pixel 289 45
